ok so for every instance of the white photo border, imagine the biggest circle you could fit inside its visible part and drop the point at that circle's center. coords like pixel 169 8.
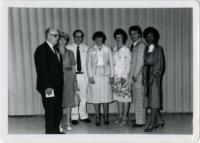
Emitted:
pixel 5 137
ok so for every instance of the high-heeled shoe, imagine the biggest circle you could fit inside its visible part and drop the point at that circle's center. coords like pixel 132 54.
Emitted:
pixel 118 120
pixel 160 125
pixel 106 121
pixel 123 121
pixel 69 127
pixel 98 121
pixel 150 129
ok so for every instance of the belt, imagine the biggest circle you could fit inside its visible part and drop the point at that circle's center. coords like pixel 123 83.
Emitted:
pixel 79 72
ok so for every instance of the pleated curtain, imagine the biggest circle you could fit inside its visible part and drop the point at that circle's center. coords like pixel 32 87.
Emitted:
pixel 26 28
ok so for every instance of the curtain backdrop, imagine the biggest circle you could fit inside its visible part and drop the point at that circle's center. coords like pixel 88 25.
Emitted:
pixel 26 31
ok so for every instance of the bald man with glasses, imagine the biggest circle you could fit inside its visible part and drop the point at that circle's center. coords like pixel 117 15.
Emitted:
pixel 49 70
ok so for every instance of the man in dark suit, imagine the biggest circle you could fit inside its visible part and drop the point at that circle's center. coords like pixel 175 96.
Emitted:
pixel 50 80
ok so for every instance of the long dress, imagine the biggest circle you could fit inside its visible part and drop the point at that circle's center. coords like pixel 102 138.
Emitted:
pixel 101 91
pixel 69 79
pixel 122 61
pixel 153 69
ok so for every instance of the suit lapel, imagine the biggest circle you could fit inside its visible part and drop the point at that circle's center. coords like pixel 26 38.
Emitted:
pixel 52 53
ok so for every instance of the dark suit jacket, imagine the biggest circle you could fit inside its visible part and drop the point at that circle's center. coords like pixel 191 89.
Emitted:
pixel 49 69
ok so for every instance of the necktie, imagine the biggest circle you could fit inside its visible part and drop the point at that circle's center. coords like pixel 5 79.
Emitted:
pixel 132 47
pixel 78 59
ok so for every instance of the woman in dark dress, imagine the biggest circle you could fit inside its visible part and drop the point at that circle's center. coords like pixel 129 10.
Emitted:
pixel 70 84
pixel 152 78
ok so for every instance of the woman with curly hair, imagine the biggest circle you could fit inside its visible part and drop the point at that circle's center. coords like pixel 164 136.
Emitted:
pixel 152 77
pixel 70 81
pixel 121 86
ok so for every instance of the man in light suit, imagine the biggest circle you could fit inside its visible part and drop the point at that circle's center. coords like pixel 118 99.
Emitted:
pixel 80 52
pixel 137 53
pixel 49 70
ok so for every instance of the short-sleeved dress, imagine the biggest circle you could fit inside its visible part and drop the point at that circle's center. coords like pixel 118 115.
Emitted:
pixel 153 68
pixel 69 79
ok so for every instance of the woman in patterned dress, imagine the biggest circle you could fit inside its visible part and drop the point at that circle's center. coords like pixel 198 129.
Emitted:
pixel 99 66
pixel 70 84
pixel 122 86
pixel 153 71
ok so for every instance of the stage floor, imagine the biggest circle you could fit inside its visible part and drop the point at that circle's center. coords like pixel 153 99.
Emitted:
pixel 174 124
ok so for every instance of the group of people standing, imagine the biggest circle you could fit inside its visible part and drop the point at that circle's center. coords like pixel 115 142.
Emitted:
pixel 70 76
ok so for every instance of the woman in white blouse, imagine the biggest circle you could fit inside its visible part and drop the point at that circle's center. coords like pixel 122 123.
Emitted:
pixel 122 86
pixel 99 66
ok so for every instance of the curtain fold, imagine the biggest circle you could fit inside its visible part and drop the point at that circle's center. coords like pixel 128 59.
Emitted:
pixel 26 28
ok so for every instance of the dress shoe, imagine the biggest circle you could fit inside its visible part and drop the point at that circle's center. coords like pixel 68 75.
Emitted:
pixel 69 127
pixel 97 124
pixel 118 120
pixel 124 121
pixel 149 129
pixel 54 132
pixel 49 132
pixel 98 121
pixel 106 121
pixel 74 122
pixel 59 133
pixel 133 121
pixel 160 125
pixel 87 120
pixel 138 125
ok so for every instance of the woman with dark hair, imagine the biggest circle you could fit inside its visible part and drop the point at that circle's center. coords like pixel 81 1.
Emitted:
pixel 121 86
pixel 99 66
pixel 70 82
pixel 152 78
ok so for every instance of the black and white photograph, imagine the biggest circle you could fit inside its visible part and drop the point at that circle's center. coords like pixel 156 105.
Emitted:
pixel 104 71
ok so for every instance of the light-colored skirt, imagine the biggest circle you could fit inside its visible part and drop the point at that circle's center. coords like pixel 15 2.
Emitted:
pixel 101 91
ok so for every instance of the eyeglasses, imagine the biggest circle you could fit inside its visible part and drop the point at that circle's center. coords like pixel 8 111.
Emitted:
pixel 55 35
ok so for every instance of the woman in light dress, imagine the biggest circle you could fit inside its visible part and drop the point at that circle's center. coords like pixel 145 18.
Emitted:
pixel 100 74
pixel 122 85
